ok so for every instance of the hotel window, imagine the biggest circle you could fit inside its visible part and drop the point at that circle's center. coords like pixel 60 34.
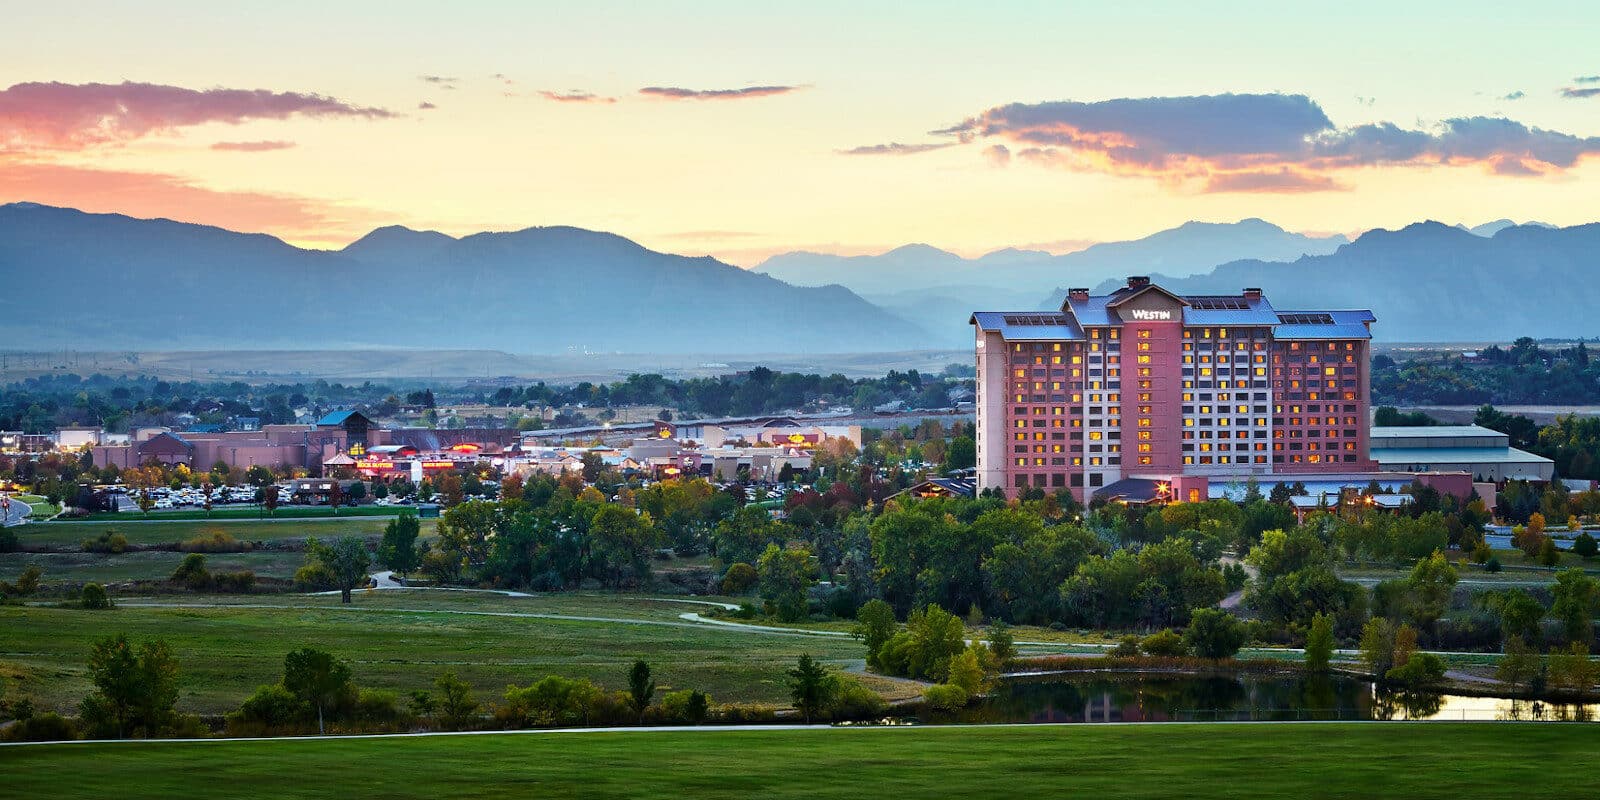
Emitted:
pixel 1144 397
pixel 1094 333
pixel 1144 359
pixel 1144 436
pixel 1144 372
pixel 1144 461
pixel 1144 448
pixel 1144 334
pixel 1144 347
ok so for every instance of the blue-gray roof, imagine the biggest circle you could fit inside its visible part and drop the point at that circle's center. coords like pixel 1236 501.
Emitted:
pixel 1018 326
pixel 1227 310
pixel 337 417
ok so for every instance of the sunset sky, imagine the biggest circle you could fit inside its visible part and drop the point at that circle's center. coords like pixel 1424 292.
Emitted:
pixel 728 129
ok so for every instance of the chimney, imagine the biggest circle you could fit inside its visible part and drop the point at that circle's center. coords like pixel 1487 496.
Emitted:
pixel 1252 293
pixel 1138 281
pixel 1079 294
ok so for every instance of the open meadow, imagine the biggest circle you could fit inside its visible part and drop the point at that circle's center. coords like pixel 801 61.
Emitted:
pixel 1410 760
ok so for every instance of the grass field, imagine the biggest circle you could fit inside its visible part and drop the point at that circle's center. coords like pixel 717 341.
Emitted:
pixel 251 512
pixel 1410 760
pixel 160 531
pixel 225 653
pixel 143 565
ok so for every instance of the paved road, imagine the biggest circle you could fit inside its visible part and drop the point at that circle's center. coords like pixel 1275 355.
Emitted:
pixel 18 513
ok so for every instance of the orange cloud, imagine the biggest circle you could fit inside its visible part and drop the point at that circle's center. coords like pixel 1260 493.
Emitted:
pixel 64 116
pixel 146 194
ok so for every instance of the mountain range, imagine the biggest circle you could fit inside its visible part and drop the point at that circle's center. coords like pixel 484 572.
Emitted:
pixel 921 282
pixel 114 282
pixel 1431 282
pixel 108 281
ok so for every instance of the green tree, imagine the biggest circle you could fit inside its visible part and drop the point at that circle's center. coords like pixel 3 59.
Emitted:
pixel 316 677
pixel 785 575
pixel 1585 546
pixel 1520 664
pixel 456 703
pixel 1577 596
pixel 1002 644
pixel 810 686
pixel 1377 645
pixel 620 542
pixel 1214 633
pixel 1520 614
pixel 931 638
pixel 95 597
pixel 961 454
pixel 967 670
pixel 875 626
pixel 135 690
pixel 398 550
pixel 1319 643
pixel 698 707
pixel 346 560
pixel 1431 583
pixel 640 687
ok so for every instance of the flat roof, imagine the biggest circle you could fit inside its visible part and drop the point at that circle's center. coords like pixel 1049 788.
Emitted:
pixel 1432 431
pixel 1455 455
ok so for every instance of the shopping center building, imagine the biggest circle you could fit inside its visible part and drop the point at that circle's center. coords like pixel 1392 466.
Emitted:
pixel 1173 391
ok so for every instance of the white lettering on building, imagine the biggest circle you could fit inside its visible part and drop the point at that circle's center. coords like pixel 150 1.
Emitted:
pixel 1142 313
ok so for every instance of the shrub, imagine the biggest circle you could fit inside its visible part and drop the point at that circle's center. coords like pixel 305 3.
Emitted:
pixel 46 727
pixel 8 540
pixel 689 706
pixel 270 708
pixel 1585 546
pixel 1420 670
pixel 1164 643
pixel 378 707
pixel 108 542
pixel 1481 553
pixel 315 576
pixel 1549 556
pixel 1214 633
pixel 747 611
pixel 191 572
pixel 95 597
pixel 214 542
pixel 851 700
pixel 739 579
pixel 234 582
pixel 552 701
pixel 1492 565
pixel 945 697
pixel 1127 648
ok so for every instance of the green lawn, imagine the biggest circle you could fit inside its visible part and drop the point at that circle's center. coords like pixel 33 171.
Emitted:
pixel 42 508
pixel 252 512
pixel 225 653
pixel 161 530
pixel 143 565
pixel 1409 760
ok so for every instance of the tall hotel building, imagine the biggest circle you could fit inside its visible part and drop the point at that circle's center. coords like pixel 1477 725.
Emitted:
pixel 1146 386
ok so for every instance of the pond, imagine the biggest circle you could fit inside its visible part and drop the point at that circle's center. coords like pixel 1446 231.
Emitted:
pixel 1135 697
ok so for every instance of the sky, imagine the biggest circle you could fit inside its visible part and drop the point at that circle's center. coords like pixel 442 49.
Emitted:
pixel 746 129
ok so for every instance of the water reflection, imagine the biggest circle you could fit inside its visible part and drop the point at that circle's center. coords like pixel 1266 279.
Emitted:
pixel 1111 697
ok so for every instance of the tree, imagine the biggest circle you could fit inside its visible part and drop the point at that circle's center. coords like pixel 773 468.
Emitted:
pixel 346 560
pixel 134 690
pixel 1214 633
pixel 1319 643
pixel 1377 645
pixel 95 597
pixel 335 495
pixel 1585 546
pixel 456 703
pixel 875 625
pixel 785 574
pixel 620 543
pixel 1002 645
pixel 269 498
pixel 316 678
pixel 810 685
pixel 1431 583
pixel 1520 664
pixel 640 687
pixel 1577 596
pixel 698 708
pixel 967 671
pixel 962 454
pixel 398 550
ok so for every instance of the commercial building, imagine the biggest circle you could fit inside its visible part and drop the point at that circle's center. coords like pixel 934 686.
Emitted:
pixel 1169 390
pixel 1486 455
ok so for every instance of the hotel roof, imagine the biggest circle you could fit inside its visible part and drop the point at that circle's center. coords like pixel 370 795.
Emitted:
pixel 1250 309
